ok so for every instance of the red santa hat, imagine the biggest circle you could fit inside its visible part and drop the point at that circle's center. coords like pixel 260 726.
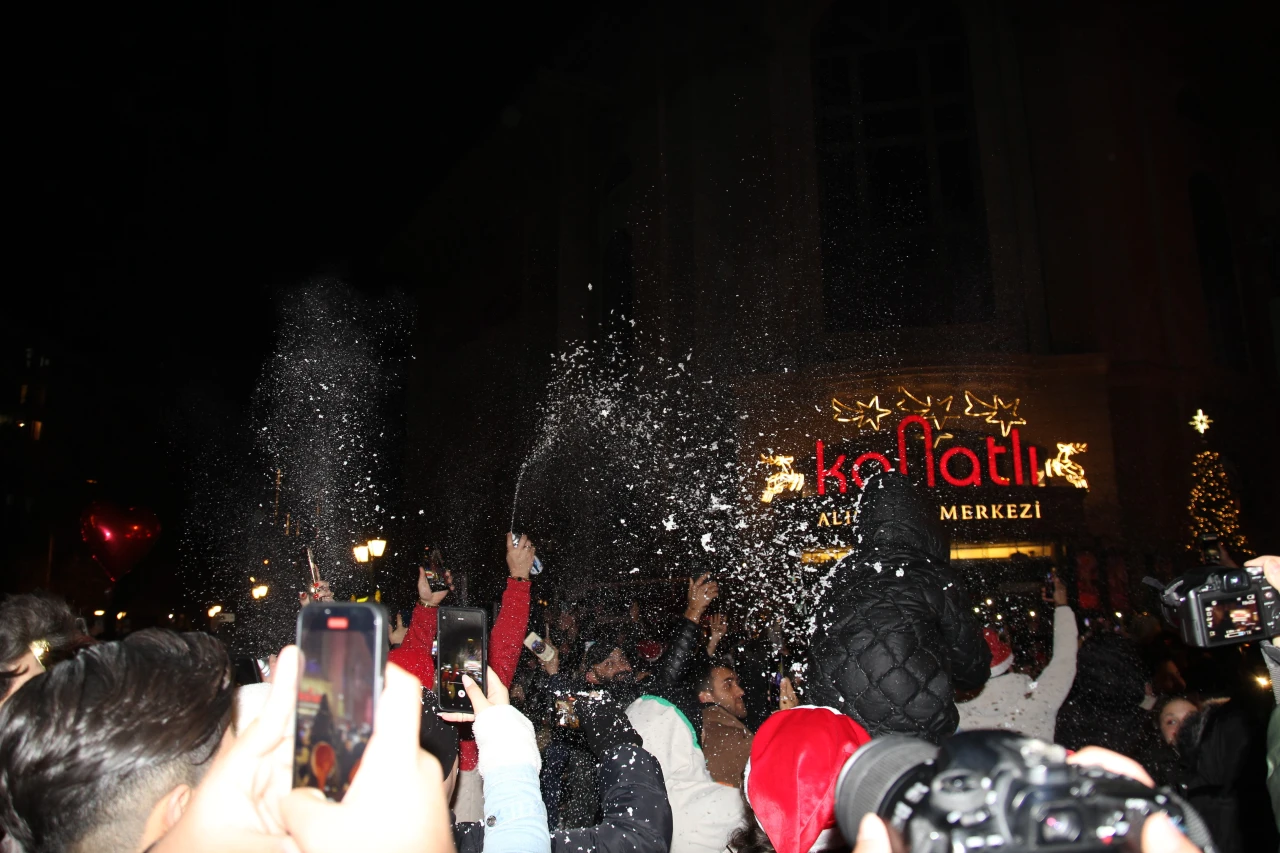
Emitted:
pixel 1001 654
pixel 790 779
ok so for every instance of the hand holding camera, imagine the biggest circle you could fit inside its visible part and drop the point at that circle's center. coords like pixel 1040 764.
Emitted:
pixel 996 789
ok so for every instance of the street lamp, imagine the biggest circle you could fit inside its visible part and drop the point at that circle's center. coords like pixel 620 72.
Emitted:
pixel 259 591
pixel 215 610
pixel 372 549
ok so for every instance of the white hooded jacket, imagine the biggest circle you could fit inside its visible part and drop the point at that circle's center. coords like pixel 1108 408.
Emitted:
pixel 704 812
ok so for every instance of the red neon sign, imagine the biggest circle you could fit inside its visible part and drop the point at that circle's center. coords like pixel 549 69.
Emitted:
pixel 954 472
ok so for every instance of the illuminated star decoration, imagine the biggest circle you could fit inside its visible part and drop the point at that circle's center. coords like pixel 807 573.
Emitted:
pixel 995 412
pixel 866 414
pixel 1200 421
pixel 938 411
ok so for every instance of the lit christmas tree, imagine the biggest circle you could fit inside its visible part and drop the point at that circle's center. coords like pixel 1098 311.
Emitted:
pixel 1212 506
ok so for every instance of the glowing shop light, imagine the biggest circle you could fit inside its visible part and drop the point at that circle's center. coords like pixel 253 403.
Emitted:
pixel 784 480
pixel 362 553
pixel 260 591
pixel 1031 613
pixel 1263 681
pixel 99 613
pixel 215 610
pixel 376 547
pixel 170 615
pixel 121 615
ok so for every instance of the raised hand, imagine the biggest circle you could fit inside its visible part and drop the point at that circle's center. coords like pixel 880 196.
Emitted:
pixel 787 696
pixel 702 591
pixel 498 695
pixel 428 598
pixel 719 627
pixel 396 802
pixel 399 631
pixel 520 556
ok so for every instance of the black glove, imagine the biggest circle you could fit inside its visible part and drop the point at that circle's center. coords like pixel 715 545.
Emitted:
pixel 604 724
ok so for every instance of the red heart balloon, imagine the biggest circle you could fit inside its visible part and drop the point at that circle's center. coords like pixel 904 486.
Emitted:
pixel 118 538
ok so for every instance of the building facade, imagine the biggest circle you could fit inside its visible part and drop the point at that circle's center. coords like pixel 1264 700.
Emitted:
pixel 1045 216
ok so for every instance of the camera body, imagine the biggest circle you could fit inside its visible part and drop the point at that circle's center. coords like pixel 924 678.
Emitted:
pixel 995 790
pixel 1219 606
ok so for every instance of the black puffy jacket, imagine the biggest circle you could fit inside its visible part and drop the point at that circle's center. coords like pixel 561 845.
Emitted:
pixel 895 635
pixel 635 814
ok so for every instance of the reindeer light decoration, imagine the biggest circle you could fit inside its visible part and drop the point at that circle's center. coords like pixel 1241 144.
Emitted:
pixel 783 480
pixel 1065 467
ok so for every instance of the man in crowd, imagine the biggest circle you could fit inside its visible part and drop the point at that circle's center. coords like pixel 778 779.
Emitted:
pixel 606 665
pixel 726 740
pixel 1012 700
pixel 895 635
pixel 102 752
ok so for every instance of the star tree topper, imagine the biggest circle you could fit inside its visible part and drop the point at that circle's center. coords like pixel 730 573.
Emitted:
pixel 865 414
pixel 1200 421
pixel 995 412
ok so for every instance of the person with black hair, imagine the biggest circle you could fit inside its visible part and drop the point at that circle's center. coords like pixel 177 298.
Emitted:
pixel 101 753
pixel 726 740
pixel 36 631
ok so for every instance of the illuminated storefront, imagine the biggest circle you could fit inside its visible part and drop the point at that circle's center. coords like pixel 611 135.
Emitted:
pixel 1016 459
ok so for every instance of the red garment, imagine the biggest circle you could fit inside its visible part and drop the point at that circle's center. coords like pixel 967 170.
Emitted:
pixel 505 641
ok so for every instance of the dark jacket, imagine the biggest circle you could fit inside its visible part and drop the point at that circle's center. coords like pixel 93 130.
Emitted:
pixel 1103 707
pixel 636 816
pixel 1222 748
pixel 895 635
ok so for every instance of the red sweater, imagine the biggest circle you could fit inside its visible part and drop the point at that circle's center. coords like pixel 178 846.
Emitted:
pixel 505 641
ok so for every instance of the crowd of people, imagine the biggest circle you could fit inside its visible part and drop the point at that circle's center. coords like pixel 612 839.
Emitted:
pixel 630 731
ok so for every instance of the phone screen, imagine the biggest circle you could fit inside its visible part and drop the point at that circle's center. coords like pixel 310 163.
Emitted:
pixel 461 647
pixel 338 688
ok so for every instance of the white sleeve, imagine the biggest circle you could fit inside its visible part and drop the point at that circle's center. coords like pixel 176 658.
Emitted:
pixel 1055 682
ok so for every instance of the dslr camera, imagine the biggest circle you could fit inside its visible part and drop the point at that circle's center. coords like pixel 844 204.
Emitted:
pixel 1214 605
pixel 996 790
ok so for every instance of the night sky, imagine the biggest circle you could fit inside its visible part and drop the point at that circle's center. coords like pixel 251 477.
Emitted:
pixel 183 164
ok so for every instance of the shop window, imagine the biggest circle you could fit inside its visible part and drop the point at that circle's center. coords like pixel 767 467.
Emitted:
pixel 904 240
pixel 36 428
pixel 1224 326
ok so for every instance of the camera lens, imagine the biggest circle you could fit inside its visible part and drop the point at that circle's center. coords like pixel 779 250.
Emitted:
pixel 871 774
pixel 1060 826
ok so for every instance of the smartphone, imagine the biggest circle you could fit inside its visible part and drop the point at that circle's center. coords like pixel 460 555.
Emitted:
pixel 342 659
pixel 247 670
pixel 1210 552
pixel 462 646
pixel 435 579
pixel 538 646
